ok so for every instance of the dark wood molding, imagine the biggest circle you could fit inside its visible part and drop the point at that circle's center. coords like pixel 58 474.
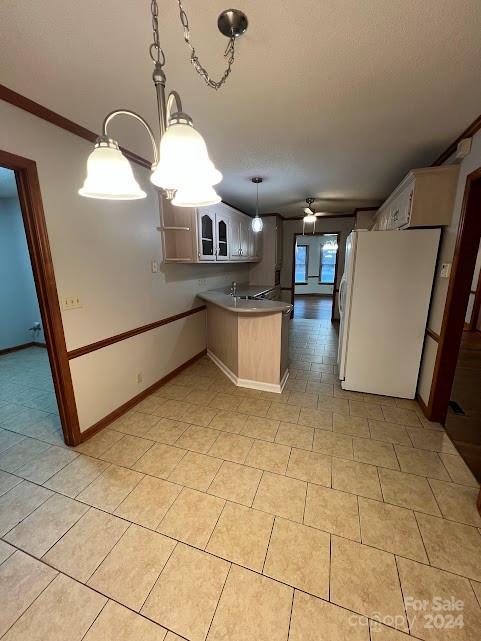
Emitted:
pixel 22 102
pixel 478 502
pixel 464 260
pixel 105 342
pixel 30 198
pixel 16 348
pixel 313 294
pixel 286 289
pixel 470 130
pixel 432 334
pixel 97 427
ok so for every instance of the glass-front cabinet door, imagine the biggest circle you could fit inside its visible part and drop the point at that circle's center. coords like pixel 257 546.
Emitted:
pixel 222 229
pixel 206 230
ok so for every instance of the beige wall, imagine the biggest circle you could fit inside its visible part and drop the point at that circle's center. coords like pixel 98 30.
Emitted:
pixel 328 225
pixel 446 253
pixel 102 253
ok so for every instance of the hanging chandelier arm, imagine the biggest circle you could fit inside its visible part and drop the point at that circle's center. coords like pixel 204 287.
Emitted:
pixel 173 97
pixel 125 112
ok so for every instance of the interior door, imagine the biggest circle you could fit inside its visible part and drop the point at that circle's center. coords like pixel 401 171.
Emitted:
pixel 207 236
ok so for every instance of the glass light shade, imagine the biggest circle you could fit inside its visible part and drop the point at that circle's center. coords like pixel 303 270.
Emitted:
pixel 196 196
pixel 257 224
pixel 184 160
pixel 310 218
pixel 109 175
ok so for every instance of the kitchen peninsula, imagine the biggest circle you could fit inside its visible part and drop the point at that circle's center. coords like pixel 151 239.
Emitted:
pixel 248 336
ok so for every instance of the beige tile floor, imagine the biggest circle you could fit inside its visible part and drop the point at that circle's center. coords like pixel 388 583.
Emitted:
pixel 220 513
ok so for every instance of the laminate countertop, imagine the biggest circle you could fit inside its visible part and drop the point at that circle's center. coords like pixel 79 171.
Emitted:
pixel 223 298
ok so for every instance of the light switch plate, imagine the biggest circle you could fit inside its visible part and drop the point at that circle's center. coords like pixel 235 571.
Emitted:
pixel 445 270
pixel 71 302
pixel 154 266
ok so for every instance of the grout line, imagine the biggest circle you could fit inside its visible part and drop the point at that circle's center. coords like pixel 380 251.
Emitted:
pixel 290 615
pixel 268 544
pixel 218 601
pixel 96 617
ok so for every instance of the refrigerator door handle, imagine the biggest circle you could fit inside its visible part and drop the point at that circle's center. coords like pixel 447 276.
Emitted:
pixel 341 295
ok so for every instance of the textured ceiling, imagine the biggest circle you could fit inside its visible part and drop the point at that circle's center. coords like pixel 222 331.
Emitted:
pixel 8 186
pixel 336 99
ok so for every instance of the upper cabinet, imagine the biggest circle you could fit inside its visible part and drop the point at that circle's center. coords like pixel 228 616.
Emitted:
pixel 425 198
pixel 209 234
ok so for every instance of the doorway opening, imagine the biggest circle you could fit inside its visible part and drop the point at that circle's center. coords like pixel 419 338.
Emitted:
pixel 457 374
pixel 314 275
pixel 36 392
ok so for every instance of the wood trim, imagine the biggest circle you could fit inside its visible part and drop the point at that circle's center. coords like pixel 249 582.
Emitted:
pixel 315 294
pixel 470 130
pixel 30 198
pixel 432 334
pixel 464 260
pixel 115 414
pixel 22 102
pixel 105 342
pixel 478 502
pixel 330 217
pixel 286 289
pixel 16 348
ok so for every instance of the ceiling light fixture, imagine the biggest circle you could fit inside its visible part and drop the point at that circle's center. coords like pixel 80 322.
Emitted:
pixel 181 165
pixel 257 223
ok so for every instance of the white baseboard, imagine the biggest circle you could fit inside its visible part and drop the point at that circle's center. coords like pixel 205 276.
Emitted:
pixel 245 382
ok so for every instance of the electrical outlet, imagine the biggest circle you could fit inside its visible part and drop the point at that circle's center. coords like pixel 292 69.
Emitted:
pixel 139 377
pixel 154 265
pixel 445 270
pixel 71 302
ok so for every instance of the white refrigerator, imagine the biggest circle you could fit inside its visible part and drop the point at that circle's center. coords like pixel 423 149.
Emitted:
pixel 384 299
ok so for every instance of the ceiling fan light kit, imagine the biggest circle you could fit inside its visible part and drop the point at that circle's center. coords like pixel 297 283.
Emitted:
pixel 181 166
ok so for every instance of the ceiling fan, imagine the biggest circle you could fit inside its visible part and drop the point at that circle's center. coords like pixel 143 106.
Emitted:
pixel 310 212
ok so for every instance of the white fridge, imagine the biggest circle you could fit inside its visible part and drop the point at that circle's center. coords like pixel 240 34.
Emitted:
pixel 384 299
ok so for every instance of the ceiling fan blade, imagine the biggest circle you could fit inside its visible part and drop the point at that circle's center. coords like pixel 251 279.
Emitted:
pixel 308 210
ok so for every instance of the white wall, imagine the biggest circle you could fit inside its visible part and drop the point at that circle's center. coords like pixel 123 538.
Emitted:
pixel 474 286
pixel 328 225
pixel 446 254
pixel 18 298
pixel 102 253
pixel 313 286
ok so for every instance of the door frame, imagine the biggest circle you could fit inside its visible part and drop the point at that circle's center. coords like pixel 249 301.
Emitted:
pixel 464 260
pixel 30 197
pixel 293 271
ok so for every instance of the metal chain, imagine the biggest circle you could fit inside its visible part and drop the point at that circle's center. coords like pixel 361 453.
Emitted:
pixel 229 53
pixel 155 50
pixel 157 54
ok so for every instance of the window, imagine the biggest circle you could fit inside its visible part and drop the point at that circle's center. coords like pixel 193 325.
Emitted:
pixel 327 264
pixel 302 260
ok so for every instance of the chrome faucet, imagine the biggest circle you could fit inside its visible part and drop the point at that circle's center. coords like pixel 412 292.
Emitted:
pixel 233 288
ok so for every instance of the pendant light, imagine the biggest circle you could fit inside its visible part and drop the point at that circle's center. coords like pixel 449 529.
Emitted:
pixel 257 223
pixel 181 165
